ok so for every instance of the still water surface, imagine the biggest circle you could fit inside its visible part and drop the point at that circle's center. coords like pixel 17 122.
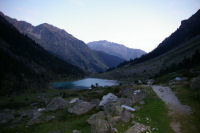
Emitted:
pixel 83 83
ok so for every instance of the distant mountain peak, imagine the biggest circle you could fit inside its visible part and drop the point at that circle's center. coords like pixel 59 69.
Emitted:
pixel 116 49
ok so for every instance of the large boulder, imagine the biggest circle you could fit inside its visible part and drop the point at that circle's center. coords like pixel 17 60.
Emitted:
pixel 94 117
pixel 126 101
pixel 81 107
pixel 113 109
pixel 56 103
pixel 109 98
pixel 126 116
pixel 195 83
pixel 100 126
pixel 137 128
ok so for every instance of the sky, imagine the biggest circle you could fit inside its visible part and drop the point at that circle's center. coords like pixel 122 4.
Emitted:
pixel 141 24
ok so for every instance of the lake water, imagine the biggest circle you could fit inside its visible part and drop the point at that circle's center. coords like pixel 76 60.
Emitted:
pixel 84 83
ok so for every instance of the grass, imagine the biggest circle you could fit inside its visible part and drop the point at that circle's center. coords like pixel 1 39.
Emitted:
pixel 153 109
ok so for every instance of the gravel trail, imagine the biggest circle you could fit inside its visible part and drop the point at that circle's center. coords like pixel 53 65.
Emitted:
pixel 174 105
pixel 170 99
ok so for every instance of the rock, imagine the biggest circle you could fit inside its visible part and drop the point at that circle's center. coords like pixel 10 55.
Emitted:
pixel 178 79
pixel 113 108
pixel 126 101
pixel 81 107
pixel 135 92
pixel 56 103
pixel 49 118
pixel 35 119
pixel 109 98
pixel 139 82
pixel 6 116
pixel 126 92
pixel 195 83
pixel 150 82
pixel 40 109
pixel 94 117
pixel 133 95
pixel 76 131
pixel 137 128
pixel 74 100
pixel 116 119
pixel 95 102
pixel 125 116
pixel 128 108
pixel 100 126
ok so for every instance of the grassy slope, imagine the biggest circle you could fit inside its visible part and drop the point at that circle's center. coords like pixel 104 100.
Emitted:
pixel 151 67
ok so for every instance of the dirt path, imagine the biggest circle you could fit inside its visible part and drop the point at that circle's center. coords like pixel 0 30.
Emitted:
pixel 174 105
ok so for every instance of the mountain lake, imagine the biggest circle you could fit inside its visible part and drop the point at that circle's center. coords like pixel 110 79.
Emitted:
pixel 84 83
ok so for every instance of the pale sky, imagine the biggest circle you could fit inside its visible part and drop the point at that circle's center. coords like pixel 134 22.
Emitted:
pixel 141 24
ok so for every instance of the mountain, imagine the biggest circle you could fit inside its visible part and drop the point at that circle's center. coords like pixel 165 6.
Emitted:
pixel 24 65
pixel 110 60
pixel 177 51
pixel 63 45
pixel 116 49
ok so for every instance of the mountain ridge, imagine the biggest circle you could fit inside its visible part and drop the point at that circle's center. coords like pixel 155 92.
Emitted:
pixel 25 65
pixel 116 49
pixel 64 45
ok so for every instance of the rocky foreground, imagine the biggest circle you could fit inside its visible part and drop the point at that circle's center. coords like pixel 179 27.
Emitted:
pixel 109 110
pixel 118 109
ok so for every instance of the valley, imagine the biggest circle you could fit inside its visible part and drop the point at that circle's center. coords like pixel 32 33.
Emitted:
pixel 52 82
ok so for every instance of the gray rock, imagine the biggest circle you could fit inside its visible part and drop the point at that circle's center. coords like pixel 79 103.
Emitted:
pixel 126 101
pixel 81 107
pixel 195 83
pixel 49 118
pixel 126 92
pixel 94 117
pixel 109 98
pixel 74 100
pixel 150 82
pixel 100 126
pixel 6 115
pixel 76 131
pixel 113 109
pixel 95 102
pixel 36 118
pixel 128 108
pixel 137 128
pixel 125 116
pixel 56 103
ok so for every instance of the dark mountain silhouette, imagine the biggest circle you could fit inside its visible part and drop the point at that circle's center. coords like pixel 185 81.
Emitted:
pixel 63 45
pixel 187 30
pixel 180 48
pixel 24 65
pixel 115 49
